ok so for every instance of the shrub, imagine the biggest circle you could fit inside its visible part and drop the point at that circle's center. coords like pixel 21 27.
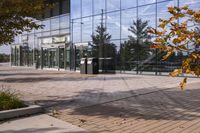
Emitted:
pixel 9 100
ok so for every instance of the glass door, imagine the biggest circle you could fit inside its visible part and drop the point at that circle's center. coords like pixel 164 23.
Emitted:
pixel 53 58
pixel 67 59
pixel 61 58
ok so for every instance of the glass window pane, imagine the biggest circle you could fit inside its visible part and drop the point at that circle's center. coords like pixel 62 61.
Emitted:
pixel 64 21
pixel 193 4
pixel 54 23
pixel 76 30
pixel 99 5
pixel 39 30
pixel 65 6
pixel 46 33
pixel 164 0
pixel 46 24
pixel 113 24
pixel 162 10
pixel 55 32
pixel 97 22
pixel 128 16
pixel 55 9
pixel 128 4
pixel 145 2
pixel 113 5
pixel 47 13
pixel 64 31
pixel 31 41
pixel 86 29
pixel 75 9
pixel 147 13
pixel 16 40
pixel 87 8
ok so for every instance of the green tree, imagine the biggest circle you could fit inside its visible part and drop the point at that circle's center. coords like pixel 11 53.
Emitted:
pixel 18 16
pixel 137 43
pixel 137 48
pixel 102 46
pixel 4 58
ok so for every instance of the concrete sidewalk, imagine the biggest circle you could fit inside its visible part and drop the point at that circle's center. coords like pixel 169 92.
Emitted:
pixel 39 124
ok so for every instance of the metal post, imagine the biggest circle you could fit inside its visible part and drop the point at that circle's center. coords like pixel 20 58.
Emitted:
pixel 65 58
pixel 74 58
pixel 120 62
pixel 34 51
pixel 156 48
pixel 58 58
pixel 11 49
pixel 41 58
pixel 137 64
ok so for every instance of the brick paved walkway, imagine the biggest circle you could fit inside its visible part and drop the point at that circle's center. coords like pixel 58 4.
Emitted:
pixel 111 103
pixel 170 111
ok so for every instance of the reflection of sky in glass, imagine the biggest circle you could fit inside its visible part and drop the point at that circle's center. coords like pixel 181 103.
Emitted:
pixel 144 2
pixel 87 8
pixel 113 24
pixel 87 29
pixel 146 12
pixel 113 5
pixel 5 49
pixel 76 8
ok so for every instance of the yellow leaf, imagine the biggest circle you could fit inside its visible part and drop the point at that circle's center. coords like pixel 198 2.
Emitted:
pixel 161 40
pixel 152 30
pixel 188 71
pixel 176 72
pixel 195 56
pixel 171 10
pixel 190 12
pixel 183 83
pixel 167 55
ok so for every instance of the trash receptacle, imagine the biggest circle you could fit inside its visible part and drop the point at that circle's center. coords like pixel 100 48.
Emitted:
pixel 92 66
pixel 83 66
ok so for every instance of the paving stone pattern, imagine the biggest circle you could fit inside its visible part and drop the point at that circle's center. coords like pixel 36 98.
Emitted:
pixel 110 103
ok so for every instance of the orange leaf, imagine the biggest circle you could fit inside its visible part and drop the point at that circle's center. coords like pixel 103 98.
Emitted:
pixel 152 30
pixel 161 40
pixel 176 72
pixel 167 55
pixel 183 83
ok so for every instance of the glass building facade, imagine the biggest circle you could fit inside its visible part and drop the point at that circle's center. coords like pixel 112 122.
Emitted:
pixel 126 43
pixel 46 48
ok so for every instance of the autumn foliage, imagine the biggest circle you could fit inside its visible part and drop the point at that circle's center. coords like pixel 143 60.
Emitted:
pixel 179 34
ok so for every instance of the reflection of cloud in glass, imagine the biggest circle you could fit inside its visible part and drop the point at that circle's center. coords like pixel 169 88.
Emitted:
pixel 147 12
pixel 143 2
pixel 5 49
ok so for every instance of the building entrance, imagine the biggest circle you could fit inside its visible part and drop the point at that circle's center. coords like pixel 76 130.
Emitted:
pixel 56 58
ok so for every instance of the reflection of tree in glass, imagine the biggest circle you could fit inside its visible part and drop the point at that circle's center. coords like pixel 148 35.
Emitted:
pixel 137 47
pixel 102 46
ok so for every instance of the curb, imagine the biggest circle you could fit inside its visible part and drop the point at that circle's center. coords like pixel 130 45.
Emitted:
pixel 14 113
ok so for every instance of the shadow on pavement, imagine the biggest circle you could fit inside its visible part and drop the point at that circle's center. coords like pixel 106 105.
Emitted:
pixel 155 104
pixel 53 78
